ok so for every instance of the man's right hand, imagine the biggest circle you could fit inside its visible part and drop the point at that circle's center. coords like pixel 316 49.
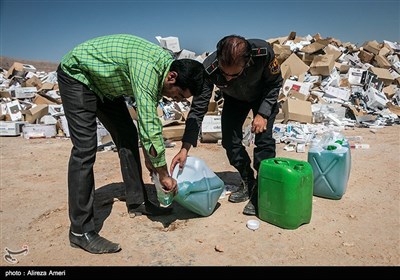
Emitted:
pixel 169 184
pixel 166 180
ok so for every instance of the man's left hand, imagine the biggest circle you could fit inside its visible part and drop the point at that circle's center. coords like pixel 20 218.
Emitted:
pixel 259 124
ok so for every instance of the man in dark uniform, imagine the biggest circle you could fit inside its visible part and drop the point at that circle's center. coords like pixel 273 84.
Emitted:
pixel 249 77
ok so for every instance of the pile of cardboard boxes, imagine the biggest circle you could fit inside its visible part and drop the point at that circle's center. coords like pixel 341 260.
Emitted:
pixel 325 81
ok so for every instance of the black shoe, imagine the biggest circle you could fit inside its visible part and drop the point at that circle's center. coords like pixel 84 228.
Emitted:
pixel 241 195
pixel 148 209
pixel 93 243
pixel 249 209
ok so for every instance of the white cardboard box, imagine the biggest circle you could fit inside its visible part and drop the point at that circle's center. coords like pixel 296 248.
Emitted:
pixel 10 128
pixel 14 110
pixel 375 98
pixel 357 76
pixel 23 92
pixel 39 131
pixel 337 92
pixel 211 128
pixel 303 88
pixel 171 43
pixel 186 54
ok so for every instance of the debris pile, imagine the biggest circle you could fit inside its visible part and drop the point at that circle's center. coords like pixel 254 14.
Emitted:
pixel 328 85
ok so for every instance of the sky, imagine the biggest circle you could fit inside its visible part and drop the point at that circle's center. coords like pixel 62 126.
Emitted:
pixel 48 29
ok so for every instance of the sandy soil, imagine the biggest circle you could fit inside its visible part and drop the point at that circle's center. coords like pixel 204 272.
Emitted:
pixel 361 229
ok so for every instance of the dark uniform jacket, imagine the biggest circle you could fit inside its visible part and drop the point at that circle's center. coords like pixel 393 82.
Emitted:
pixel 260 79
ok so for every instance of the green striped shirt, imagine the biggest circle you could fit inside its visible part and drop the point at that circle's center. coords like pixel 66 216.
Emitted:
pixel 124 64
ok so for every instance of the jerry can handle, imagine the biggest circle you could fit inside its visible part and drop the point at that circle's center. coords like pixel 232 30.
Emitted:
pixel 332 146
pixel 280 161
pixel 299 167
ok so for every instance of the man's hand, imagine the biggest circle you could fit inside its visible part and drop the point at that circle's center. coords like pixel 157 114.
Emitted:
pixel 180 158
pixel 167 181
pixel 169 184
pixel 259 124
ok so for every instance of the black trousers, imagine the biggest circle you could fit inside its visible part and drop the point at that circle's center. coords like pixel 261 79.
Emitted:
pixel 81 107
pixel 233 116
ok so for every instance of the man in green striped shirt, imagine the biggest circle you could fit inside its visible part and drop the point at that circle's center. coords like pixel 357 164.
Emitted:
pixel 94 79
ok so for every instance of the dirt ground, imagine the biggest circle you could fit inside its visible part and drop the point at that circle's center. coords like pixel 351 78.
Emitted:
pixel 361 229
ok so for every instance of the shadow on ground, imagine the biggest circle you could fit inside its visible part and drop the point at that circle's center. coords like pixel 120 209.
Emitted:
pixel 106 195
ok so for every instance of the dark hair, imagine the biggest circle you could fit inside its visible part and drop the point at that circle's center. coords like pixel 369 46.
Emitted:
pixel 190 75
pixel 233 50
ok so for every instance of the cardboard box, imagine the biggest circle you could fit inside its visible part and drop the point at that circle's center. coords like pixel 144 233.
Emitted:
pixel 48 119
pixel 297 110
pixel 23 92
pixel 211 128
pixel 331 49
pixel 383 74
pixel 343 68
pixel 306 57
pixel 39 131
pixel 393 108
pixel 365 57
pixel 56 100
pixel 34 82
pixel 186 54
pixel 298 95
pixel 385 52
pixel 35 112
pixel 283 57
pixel 17 69
pixel 39 99
pixel 5 94
pixel 374 82
pixel 336 92
pixel 357 76
pixel 10 128
pixel 171 43
pixel 382 62
pixel 14 110
pixel 303 88
pixel 372 46
pixel 313 47
pixel 45 87
pixel 375 99
pixel 278 49
pixel 174 132
pixel 322 65
pixel 293 66
pixel 55 110
pixel 390 91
